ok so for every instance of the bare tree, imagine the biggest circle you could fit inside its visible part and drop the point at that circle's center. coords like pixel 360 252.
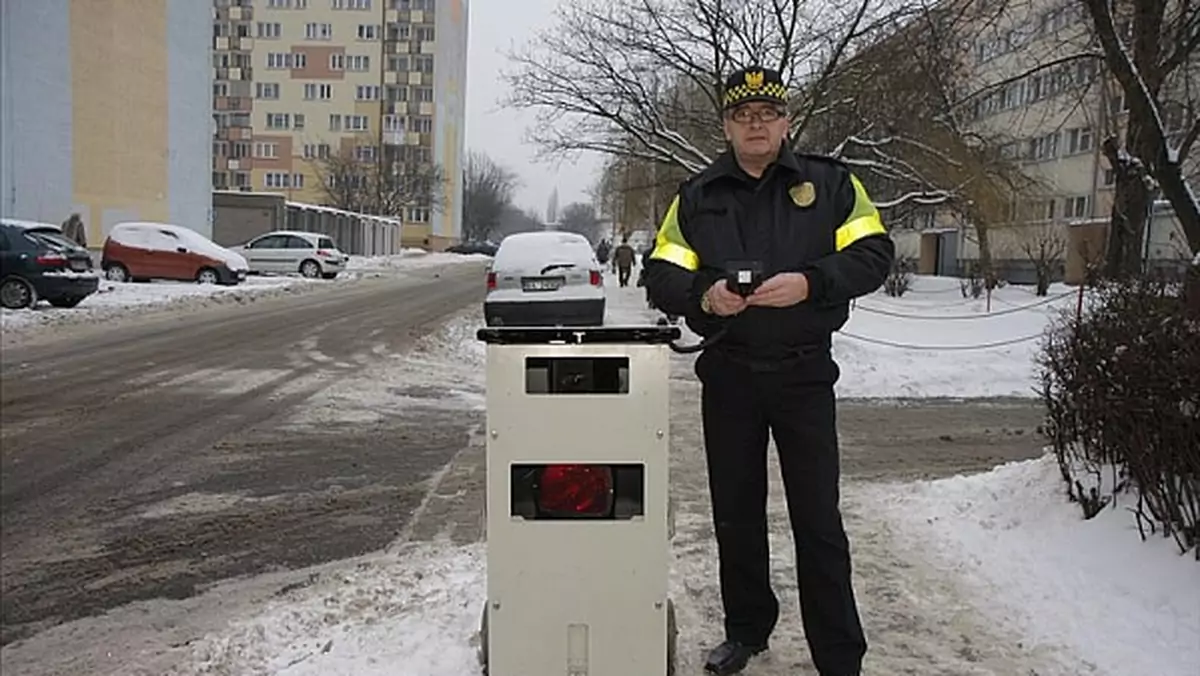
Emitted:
pixel 488 190
pixel 912 128
pixel 1150 48
pixel 580 218
pixel 384 187
pixel 644 78
pixel 1045 246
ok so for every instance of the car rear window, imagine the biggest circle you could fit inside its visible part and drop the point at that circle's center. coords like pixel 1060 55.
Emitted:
pixel 537 250
pixel 52 239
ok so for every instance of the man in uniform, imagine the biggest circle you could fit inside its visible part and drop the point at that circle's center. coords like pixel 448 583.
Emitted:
pixel 803 229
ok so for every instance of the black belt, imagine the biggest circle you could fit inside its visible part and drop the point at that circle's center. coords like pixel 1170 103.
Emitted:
pixel 775 359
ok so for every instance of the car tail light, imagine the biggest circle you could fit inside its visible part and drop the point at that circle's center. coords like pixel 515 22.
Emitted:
pixel 595 278
pixel 575 490
pixel 491 281
pixel 52 259
pixel 555 492
pixel 322 252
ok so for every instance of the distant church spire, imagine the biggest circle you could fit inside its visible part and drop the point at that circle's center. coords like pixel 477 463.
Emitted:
pixel 552 207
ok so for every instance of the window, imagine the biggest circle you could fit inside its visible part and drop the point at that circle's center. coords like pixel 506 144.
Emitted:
pixel 298 181
pixel 355 122
pixel 1076 207
pixel 266 90
pixel 278 121
pixel 418 214
pixel 398 64
pixel 1079 140
pixel 367 31
pixel 367 92
pixel 399 31
pixel 337 61
pixel 318 31
pixel 1110 177
pixel 298 121
pixel 1042 148
pixel 393 123
pixel 350 4
pixel 316 151
pixel 220 89
pixel 266 150
pixel 423 64
pixel 286 60
pixel 287 4
pixel 425 33
pixel 397 93
pixel 314 91
pixel 268 30
pixel 425 94
pixel 358 62
pixel 276 179
pixel 421 125
pixel 335 123
pixel 366 153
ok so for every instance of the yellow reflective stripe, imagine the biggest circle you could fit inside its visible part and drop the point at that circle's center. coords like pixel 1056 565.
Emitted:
pixel 863 221
pixel 679 255
pixel 670 245
pixel 855 230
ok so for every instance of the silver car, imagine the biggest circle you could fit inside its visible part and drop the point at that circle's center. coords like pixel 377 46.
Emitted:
pixel 546 278
pixel 289 251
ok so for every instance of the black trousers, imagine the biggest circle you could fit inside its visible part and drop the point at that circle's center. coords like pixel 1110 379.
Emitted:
pixel 623 275
pixel 740 405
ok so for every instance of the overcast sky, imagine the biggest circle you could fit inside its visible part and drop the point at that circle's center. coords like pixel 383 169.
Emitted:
pixel 496 27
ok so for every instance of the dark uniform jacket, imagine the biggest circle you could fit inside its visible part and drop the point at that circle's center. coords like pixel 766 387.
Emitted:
pixel 807 213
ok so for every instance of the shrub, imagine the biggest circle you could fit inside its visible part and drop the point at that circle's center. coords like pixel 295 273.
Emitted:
pixel 1121 384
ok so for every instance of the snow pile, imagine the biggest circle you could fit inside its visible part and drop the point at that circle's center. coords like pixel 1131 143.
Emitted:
pixel 408 259
pixel 115 299
pixel 414 612
pixel 1035 567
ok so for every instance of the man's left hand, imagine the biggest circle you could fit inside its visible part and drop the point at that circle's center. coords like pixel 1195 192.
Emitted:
pixel 782 290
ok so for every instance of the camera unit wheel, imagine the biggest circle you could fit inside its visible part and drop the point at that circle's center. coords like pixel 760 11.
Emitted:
pixel 672 636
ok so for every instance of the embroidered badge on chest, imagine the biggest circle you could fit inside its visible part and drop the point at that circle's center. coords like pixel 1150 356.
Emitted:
pixel 803 194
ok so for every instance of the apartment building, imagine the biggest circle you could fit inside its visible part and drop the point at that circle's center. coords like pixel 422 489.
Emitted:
pixel 300 85
pixel 113 129
pixel 1049 113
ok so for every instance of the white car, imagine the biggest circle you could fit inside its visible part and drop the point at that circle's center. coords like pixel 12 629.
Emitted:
pixel 288 251
pixel 545 278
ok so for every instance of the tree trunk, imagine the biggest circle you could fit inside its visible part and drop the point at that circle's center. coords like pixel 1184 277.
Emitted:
pixel 1131 203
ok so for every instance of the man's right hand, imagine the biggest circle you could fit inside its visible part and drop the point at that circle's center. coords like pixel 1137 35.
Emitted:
pixel 723 302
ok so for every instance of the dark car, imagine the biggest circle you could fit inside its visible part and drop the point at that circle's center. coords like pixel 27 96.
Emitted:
pixel 474 247
pixel 41 264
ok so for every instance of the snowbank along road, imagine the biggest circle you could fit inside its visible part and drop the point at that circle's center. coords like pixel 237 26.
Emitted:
pixel 146 460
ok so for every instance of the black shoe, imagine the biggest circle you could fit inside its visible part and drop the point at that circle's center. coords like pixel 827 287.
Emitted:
pixel 731 657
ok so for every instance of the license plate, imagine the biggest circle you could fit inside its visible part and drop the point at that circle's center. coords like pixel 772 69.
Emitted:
pixel 79 266
pixel 542 283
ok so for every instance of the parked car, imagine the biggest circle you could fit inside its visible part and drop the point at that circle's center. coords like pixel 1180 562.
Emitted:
pixel 137 251
pixel 36 263
pixel 473 247
pixel 546 278
pixel 286 251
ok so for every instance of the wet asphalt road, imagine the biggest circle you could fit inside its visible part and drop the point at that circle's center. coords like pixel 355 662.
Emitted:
pixel 151 458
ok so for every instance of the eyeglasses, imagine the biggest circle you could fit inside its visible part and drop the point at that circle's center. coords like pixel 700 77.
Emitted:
pixel 745 115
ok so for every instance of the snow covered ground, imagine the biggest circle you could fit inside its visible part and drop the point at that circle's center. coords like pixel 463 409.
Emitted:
pixel 988 574
pixel 123 299
pixel 992 574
